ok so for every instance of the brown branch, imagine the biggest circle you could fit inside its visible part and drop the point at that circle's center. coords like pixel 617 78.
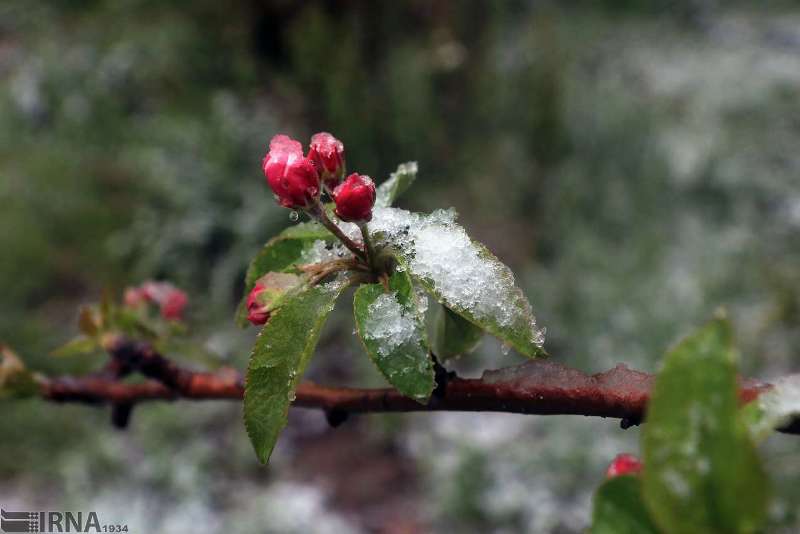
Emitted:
pixel 538 387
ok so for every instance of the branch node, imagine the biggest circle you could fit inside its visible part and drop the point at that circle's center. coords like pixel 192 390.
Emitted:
pixel 442 376
pixel 336 417
pixel 121 414
pixel 626 422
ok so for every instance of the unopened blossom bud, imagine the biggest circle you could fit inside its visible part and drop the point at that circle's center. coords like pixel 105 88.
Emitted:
pixel 170 300
pixel 267 294
pixel 257 313
pixel 327 154
pixel 355 198
pixel 291 176
pixel 134 297
pixel 173 304
pixel 624 464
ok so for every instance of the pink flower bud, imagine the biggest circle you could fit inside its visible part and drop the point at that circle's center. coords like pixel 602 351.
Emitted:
pixel 624 464
pixel 173 304
pixel 327 154
pixel 268 294
pixel 170 300
pixel 134 297
pixel 355 198
pixel 292 177
pixel 257 313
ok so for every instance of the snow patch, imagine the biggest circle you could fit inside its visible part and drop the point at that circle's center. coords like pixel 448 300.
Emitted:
pixel 389 324
pixel 461 271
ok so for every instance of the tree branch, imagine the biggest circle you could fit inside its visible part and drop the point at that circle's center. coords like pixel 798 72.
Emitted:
pixel 539 387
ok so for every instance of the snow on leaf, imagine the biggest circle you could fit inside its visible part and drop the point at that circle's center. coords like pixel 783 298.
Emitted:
pixel 388 324
pixel 321 251
pixel 391 327
pixel 462 274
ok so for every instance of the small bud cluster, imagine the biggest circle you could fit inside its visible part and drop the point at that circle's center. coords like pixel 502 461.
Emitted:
pixel 170 300
pixel 298 181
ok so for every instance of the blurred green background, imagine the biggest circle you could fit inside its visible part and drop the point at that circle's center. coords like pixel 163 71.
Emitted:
pixel 635 163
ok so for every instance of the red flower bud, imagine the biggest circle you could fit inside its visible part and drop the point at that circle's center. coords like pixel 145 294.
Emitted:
pixel 327 154
pixel 624 464
pixel 256 312
pixel 135 297
pixel 355 198
pixel 267 295
pixel 169 298
pixel 292 177
pixel 173 304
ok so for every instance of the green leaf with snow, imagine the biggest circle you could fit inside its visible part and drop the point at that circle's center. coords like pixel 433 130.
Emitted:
pixel 398 182
pixel 460 273
pixel 391 327
pixel 454 335
pixel 281 254
pixel 280 356
pixel 619 509
pixel 773 408
pixel 702 473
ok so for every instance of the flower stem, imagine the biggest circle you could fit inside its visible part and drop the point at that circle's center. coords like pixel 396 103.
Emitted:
pixel 368 245
pixel 318 210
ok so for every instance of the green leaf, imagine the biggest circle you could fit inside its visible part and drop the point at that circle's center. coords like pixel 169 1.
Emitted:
pixel 280 356
pixel 619 509
pixel 454 335
pixel 391 327
pixel 76 346
pixel 773 408
pixel 16 381
pixel 280 254
pixel 306 230
pixel 460 273
pixel 396 185
pixel 702 473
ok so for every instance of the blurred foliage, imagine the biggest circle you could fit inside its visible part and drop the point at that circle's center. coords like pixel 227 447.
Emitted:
pixel 633 162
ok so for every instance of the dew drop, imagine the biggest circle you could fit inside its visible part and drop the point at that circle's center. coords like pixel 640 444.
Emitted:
pixel 505 348
pixel 291 396
pixel 294 216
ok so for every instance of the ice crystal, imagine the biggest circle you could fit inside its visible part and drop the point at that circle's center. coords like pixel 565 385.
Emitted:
pixel 321 251
pixel 389 324
pixel 463 273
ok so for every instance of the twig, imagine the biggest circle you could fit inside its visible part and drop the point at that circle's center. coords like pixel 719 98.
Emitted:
pixel 318 210
pixel 539 387
pixel 371 258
